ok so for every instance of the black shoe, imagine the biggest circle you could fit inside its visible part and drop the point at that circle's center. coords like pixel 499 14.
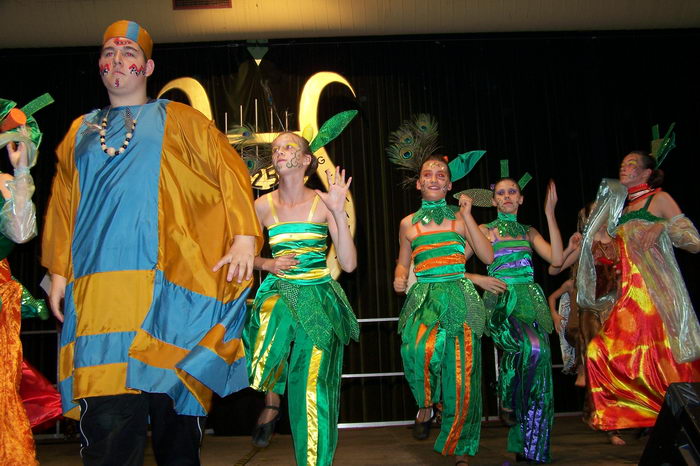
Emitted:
pixel 507 416
pixel 437 417
pixel 421 430
pixel 262 433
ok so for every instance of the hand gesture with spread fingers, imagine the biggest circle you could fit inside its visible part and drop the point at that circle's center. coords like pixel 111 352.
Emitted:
pixel 338 188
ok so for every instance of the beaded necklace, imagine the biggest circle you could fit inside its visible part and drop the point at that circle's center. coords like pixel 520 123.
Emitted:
pixel 111 151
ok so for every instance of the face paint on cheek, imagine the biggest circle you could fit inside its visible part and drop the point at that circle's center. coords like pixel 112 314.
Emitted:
pixel 104 69
pixel 116 82
pixel 295 160
pixel 137 70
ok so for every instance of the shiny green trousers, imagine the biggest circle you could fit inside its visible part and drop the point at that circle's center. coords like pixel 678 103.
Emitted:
pixel 525 386
pixel 446 369
pixel 280 353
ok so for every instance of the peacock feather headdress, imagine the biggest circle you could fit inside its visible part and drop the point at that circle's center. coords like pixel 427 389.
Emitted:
pixel 417 139
pixel 411 144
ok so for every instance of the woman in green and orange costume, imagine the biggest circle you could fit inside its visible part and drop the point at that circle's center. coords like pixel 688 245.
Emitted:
pixel 652 336
pixel 520 321
pixel 443 317
pixel 20 132
pixel 301 319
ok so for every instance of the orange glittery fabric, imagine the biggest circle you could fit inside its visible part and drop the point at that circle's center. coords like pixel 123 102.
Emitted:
pixel 630 364
pixel 16 441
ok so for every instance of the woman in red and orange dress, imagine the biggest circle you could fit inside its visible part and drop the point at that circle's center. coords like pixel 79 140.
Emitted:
pixel 652 336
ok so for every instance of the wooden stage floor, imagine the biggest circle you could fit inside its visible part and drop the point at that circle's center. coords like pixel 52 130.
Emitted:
pixel 572 444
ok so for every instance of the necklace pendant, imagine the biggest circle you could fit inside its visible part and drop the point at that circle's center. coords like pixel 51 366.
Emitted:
pixel 129 125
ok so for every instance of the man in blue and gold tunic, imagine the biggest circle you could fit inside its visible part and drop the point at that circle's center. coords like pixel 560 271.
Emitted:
pixel 147 198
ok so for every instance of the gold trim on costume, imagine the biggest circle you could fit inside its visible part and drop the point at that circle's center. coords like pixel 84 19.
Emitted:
pixel 311 408
pixel 283 237
pixel 429 350
pixel 258 359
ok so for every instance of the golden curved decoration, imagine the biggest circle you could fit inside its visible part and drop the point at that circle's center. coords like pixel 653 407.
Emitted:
pixel 194 91
pixel 308 118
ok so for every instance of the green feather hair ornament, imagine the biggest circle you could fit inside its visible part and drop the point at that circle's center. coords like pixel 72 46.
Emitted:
pixel 258 155
pixel 660 147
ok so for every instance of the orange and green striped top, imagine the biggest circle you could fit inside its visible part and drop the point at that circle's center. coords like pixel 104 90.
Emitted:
pixel 438 255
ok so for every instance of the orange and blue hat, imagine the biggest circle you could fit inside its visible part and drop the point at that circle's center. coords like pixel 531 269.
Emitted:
pixel 133 31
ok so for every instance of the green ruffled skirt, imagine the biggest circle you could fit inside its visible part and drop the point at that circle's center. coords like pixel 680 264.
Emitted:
pixel 451 303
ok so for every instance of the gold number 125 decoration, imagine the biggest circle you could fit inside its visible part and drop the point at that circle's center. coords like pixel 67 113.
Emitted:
pixel 308 117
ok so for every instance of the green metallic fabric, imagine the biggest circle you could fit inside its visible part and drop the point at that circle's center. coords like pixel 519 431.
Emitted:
pixel 322 310
pixel 441 292
pixel 508 226
pixel 314 426
pixel 308 241
pixel 331 129
pixel 525 301
pixel 440 368
pixel 523 298
pixel 429 248
pixel 450 303
pixel 319 304
pixel 463 164
pixel 286 360
pixel 641 214
pixel 32 307
pixel 525 386
pixel 519 321
pixel 434 211
pixel 294 339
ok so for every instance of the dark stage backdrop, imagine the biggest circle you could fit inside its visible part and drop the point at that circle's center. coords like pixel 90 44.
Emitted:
pixel 566 107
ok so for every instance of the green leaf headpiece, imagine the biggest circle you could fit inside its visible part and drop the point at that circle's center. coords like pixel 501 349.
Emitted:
pixel 258 156
pixel 416 140
pixel 482 197
pixel 660 147
pixel 19 125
